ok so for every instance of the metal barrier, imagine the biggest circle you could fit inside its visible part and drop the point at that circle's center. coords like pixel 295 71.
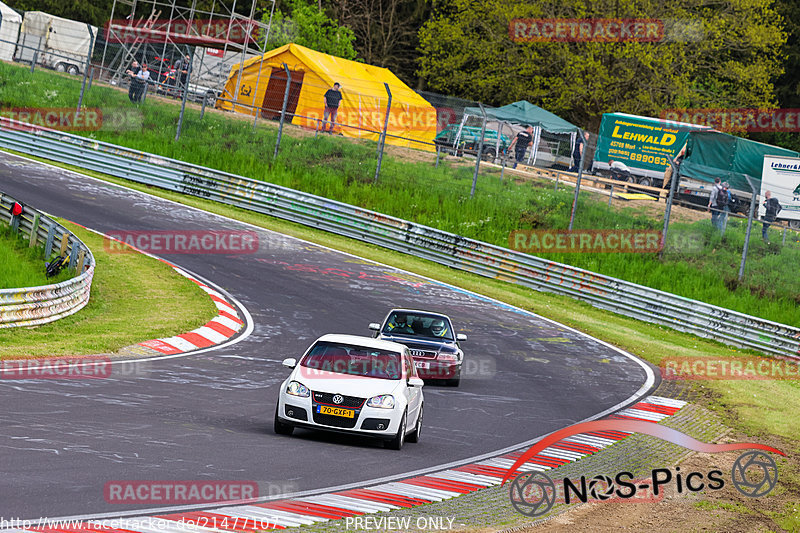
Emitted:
pixel 32 306
pixel 604 292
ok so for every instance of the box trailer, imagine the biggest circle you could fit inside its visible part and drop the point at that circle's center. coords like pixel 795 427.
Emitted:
pixel 713 154
pixel 55 42
pixel 10 22
pixel 641 143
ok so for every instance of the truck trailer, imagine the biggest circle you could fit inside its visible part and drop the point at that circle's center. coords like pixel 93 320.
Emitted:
pixel 55 42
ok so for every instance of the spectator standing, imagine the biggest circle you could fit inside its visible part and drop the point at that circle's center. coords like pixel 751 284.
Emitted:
pixel 142 78
pixel 182 69
pixel 724 204
pixel 577 152
pixel 772 207
pixel 520 144
pixel 132 71
pixel 332 98
pixel 713 203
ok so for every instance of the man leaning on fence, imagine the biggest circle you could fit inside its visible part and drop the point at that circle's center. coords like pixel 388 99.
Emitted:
pixel 332 98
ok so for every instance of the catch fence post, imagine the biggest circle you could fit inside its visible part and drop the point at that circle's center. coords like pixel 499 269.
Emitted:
pixel 283 109
pixel 578 181
pixel 749 226
pixel 382 139
pixel 480 152
pixel 85 71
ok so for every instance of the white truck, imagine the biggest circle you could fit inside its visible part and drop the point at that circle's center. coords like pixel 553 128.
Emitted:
pixel 57 43
pixel 781 176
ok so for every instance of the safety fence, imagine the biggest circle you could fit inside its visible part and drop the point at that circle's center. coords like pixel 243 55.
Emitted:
pixel 604 292
pixel 32 306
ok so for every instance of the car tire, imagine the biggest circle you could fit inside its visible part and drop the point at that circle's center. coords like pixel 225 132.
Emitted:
pixel 280 427
pixel 414 435
pixel 397 442
pixel 72 69
pixel 794 224
pixel 647 182
pixel 489 154
pixel 60 67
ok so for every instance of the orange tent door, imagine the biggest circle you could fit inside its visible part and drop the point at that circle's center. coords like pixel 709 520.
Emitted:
pixel 273 96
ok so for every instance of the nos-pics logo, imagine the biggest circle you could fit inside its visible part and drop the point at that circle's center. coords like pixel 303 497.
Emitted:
pixel 754 473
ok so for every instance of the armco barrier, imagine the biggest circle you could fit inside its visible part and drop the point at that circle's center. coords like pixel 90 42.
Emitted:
pixel 38 305
pixel 604 292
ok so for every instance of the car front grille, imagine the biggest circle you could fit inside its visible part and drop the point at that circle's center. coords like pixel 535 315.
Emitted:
pixel 422 353
pixel 350 402
pixel 335 421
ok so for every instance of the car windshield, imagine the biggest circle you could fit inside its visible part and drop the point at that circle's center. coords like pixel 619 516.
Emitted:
pixel 353 360
pixel 418 325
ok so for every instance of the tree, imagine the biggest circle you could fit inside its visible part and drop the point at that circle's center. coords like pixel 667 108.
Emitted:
pixel 307 25
pixel 722 54
pixel 386 31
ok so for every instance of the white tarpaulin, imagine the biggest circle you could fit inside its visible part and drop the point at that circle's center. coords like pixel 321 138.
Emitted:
pixel 10 22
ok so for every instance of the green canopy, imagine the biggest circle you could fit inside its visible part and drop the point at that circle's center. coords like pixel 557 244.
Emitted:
pixel 711 154
pixel 524 112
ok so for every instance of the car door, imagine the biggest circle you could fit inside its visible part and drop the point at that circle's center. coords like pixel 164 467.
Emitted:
pixel 413 394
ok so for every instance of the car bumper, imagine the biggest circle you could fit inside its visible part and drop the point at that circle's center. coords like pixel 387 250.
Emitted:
pixel 370 421
pixel 433 370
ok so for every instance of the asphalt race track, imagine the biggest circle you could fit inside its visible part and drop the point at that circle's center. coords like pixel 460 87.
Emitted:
pixel 209 416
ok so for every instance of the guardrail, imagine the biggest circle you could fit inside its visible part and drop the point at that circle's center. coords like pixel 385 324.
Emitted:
pixel 32 306
pixel 604 292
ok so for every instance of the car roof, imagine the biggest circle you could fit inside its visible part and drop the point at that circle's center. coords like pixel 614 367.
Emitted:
pixel 420 311
pixel 366 342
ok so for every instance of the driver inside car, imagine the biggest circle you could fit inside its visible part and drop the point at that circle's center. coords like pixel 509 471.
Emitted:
pixel 438 328
pixel 399 324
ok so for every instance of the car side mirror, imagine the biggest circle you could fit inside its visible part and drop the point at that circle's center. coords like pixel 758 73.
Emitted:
pixel 374 326
pixel 415 382
pixel 461 337
pixel 291 362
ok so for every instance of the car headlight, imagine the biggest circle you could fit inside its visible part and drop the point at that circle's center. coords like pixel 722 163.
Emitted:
pixel 296 388
pixel 384 401
pixel 448 357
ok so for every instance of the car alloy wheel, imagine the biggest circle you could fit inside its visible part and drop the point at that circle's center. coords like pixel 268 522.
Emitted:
pixel 397 442
pixel 414 437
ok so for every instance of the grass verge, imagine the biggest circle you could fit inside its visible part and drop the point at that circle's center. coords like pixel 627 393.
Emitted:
pixel 22 266
pixel 127 287
pixel 765 411
pixel 439 197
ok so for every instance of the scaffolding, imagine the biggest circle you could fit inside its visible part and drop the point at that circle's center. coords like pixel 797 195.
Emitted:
pixel 162 32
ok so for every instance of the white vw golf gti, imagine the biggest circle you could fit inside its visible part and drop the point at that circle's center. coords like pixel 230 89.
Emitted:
pixel 352 384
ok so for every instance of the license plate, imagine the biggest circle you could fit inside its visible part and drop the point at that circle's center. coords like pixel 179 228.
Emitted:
pixel 335 411
pixel 422 364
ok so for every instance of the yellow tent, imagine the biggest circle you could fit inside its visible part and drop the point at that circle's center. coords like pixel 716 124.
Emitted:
pixel 362 111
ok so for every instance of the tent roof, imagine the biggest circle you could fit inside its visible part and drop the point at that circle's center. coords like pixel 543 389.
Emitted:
pixel 9 14
pixel 351 75
pixel 524 112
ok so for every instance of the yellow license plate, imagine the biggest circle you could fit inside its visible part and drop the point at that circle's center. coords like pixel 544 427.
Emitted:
pixel 336 411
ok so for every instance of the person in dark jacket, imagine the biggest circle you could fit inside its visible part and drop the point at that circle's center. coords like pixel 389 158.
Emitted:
pixel 135 84
pixel 772 207
pixel 332 98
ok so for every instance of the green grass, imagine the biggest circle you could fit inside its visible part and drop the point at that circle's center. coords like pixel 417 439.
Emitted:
pixel 343 170
pixel 22 266
pixel 126 289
